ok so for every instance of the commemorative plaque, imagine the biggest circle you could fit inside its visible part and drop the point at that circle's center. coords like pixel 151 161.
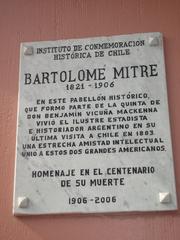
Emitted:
pixel 93 131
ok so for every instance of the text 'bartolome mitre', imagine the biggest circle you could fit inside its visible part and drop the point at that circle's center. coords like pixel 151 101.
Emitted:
pixel 125 72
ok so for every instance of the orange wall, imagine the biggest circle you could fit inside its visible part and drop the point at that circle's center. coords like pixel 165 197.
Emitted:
pixel 35 20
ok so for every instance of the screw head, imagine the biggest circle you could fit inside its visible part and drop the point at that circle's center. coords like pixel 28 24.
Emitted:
pixel 164 197
pixel 28 50
pixel 153 41
pixel 23 202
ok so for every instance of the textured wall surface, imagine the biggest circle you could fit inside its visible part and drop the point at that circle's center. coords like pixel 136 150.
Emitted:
pixel 35 20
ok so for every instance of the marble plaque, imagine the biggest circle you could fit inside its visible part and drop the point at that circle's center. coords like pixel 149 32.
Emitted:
pixel 93 131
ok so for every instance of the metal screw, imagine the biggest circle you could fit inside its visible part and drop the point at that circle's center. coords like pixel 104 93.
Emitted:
pixel 28 50
pixel 153 41
pixel 23 202
pixel 164 197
